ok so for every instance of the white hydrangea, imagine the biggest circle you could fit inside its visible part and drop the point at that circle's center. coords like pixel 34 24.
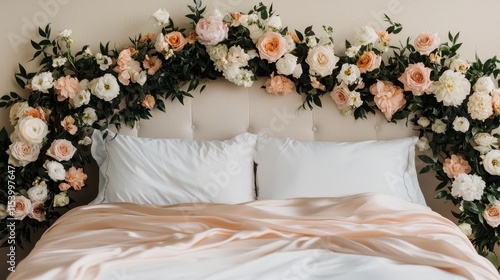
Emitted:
pixel 467 186
pixel 480 105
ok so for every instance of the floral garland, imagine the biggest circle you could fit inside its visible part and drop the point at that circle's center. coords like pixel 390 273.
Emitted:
pixel 454 104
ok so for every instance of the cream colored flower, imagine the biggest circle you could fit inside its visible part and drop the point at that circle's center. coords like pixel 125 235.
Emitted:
pixel 321 61
pixel 491 162
pixel 61 199
pixel 461 124
pixel 480 105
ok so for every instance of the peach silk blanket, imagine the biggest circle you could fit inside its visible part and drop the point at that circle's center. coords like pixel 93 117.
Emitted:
pixel 90 241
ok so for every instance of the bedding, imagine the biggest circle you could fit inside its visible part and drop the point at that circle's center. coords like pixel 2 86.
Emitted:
pixel 170 171
pixel 365 236
pixel 288 168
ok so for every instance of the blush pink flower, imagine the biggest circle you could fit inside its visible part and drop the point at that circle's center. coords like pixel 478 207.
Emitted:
pixel 152 64
pixel 22 207
pixel 495 101
pixel 456 165
pixel 272 46
pixel 384 36
pixel 76 178
pixel 341 96
pixel 388 97
pixel 426 42
pixel 64 186
pixel 416 78
pixel 126 66
pixel 176 40
pixel 279 85
pixel 61 150
pixel 368 61
pixel 69 125
pixel 211 31
pixel 66 87
pixel 37 211
pixel 148 102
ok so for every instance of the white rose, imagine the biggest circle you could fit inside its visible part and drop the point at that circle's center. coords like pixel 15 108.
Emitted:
pixel 451 89
pixel 105 87
pixel 38 192
pixel 491 162
pixel 31 130
pixel 160 17
pixel 349 74
pixel 423 144
pixel 438 126
pixel 42 82
pixel 273 23
pixel 255 32
pixel 485 142
pixel 311 41
pixel 59 61
pixel 466 229
pixel 3 211
pixel 367 35
pixel 461 124
pixel 480 105
pixel 469 187
pixel 21 153
pixel 484 84
pixel 286 65
pixel 290 43
pixel 55 170
pixel 321 60
pixel 423 122
pixel 61 199
pixel 297 72
pixel 85 141
pixel 89 116
pixel 17 111
pixel 80 99
pixel 459 65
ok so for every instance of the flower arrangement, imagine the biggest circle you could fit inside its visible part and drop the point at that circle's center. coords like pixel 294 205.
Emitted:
pixel 454 104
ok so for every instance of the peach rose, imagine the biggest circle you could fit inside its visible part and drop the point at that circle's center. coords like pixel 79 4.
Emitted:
pixel 456 165
pixel 148 102
pixel 61 149
pixel 23 207
pixel 384 36
pixel 368 61
pixel 66 87
pixel 37 211
pixel 388 97
pixel 416 78
pixel 76 178
pixel 69 125
pixel 495 101
pixel 64 186
pixel 272 46
pixel 492 215
pixel 37 112
pixel 21 153
pixel 176 40
pixel 152 64
pixel 341 96
pixel 279 84
pixel 191 39
pixel 426 42
pixel 294 37
pixel 147 38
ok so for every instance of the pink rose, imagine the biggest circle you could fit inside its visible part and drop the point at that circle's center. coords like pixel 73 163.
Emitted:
pixel 416 78
pixel 279 85
pixel 368 61
pixel 492 215
pixel 426 42
pixel 152 64
pixel 211 31
pixel 37 211
pixel 61 149
pixel 23 207
pixel 176 40
pixel 76 178
pixel 456 165
pixel 21 153
pixel 341 96
pixel 64 186
pixel 148 102
pixel 388 97
pixel 272 46
pixel 66 87
pixel 69 125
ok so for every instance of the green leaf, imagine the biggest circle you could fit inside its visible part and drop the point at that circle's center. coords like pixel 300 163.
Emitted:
pixel 426 159
pixel 35 45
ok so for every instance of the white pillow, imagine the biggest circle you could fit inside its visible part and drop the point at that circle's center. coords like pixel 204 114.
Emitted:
pixel 171 171
pixel 288 168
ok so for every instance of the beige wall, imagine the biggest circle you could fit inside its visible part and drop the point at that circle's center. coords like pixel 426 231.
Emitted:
pixel 94 21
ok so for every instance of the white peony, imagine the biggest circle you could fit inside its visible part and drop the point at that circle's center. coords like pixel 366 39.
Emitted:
pixel 321 61
pixel 21 153
pixel 451 89
pixel 491 162
pixel 485 142
pixel 31 130
pixel 469 187
pixel 466 229
pixel 439 126
pixel 423 122
pixel 59 61
pixel 484 84
pixel 367 35
pixel 80 99
pixel 3 211
pixel 480 105
pixel 89 116
pixel 38 192
pixel 105 87
pixel 160 17
pixel 61 199
pixel 55 170
pixel 287 64
pixel 42 82
pixel 461 124
pixel 423 144
pixel 349 74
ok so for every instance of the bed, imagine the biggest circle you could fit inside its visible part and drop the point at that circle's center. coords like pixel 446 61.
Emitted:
pixel 287 193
